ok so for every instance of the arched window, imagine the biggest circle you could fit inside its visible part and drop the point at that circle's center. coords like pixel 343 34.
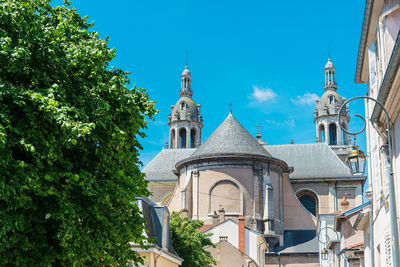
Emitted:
pixel 332 134
pixel 309 200
pixel 192 138
pixel 182 105
pixel 172 141
pixel 322 134
pixel 331 100
pixel 182 138
pixel 225 194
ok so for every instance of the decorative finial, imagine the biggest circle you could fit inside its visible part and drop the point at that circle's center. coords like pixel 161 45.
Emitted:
pixel 166 144
pixel 186 61
pixel 291 141
pixel 230 108
pixel 258 132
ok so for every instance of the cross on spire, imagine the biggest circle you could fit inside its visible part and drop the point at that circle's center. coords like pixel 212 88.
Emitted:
pixel 258 126
pixel 258 133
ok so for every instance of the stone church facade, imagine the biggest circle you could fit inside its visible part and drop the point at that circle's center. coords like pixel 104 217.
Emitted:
pixel 278 190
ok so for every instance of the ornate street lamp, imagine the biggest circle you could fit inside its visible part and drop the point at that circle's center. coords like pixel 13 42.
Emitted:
pixel 324 238
pixel 356 161
pixel 392 198
pixel 324 254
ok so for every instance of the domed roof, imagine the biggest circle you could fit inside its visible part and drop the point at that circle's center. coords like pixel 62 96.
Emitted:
pixel 331 101
pixel 329 64
pixel 186 72
pixel 230 138
pixel 185 109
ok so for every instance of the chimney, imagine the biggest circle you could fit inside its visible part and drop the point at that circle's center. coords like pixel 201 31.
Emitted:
pixel 345 203
pixel 221 215
pixel 215 218
pixel 241 234
pixel 185 213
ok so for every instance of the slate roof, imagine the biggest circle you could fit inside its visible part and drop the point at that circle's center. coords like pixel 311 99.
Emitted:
pixel 299 241
pixel 360 207
pixel 153 216
pixel 316 160
pixel 160 168
pixel 230 138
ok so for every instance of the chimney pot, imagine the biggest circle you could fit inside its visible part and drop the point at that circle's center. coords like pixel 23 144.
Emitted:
pixel 241 234
pixel 215 218
pixel 221 215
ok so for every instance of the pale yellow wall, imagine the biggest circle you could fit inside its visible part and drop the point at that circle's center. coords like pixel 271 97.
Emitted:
pixel 295 215
pixel 154 260
pixel 160 190
pixel 175 202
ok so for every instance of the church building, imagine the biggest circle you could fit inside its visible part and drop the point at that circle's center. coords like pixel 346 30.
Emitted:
pixel 278 191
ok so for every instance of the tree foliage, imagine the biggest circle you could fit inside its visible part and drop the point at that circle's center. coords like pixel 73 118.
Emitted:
pixel 69 146
pixel 189 243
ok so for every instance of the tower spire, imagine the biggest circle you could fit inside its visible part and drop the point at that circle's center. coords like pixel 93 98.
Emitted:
pixel 185 121
pixel 186 79
pixel 330 83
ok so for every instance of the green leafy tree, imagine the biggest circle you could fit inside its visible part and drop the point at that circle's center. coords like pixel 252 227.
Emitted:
pixel 189 243
pixel 69 148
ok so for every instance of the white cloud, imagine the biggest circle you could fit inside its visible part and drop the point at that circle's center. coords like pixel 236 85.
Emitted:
pixel 261 95
pixel 159 122
pixel 306 99
pixel 285 123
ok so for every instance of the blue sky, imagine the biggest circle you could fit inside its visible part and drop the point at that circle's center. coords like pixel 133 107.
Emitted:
pixel 265 57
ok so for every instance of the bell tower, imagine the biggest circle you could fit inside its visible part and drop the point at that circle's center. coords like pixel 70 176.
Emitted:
pixel 326 111
pixel 184 121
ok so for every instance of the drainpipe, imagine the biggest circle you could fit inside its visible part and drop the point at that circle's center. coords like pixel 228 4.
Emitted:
pixel 371 200
pixel 371 238
pixel 279 259
pixel 336 207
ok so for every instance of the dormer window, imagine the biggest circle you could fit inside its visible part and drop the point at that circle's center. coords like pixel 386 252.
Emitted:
pixel 331 100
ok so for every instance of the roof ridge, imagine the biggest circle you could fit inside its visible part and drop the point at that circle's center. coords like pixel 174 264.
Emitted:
pixel 231 137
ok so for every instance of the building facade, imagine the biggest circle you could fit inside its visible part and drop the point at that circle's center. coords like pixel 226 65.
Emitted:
pixel 378 65
pixel 279 190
